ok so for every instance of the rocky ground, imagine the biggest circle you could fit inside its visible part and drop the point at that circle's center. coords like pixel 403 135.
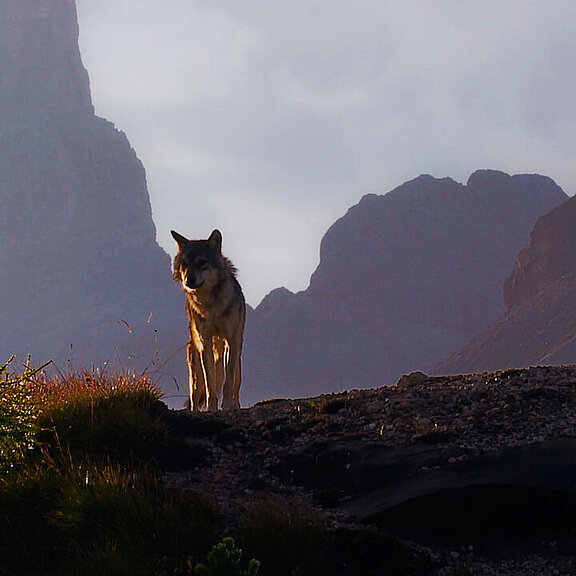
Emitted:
pixel 478 472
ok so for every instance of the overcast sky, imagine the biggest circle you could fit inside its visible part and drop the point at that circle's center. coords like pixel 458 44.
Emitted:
pixel 269 119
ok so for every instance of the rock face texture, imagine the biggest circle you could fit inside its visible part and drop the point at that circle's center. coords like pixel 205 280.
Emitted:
pixel 539 325
pixel 41 66
pixel 83 280
pixel 403 279
pixel 547 258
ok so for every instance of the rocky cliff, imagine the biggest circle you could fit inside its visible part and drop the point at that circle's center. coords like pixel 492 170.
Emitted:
pixel 548 257
pixel 403 279
pixel 83 280
pixel 539 325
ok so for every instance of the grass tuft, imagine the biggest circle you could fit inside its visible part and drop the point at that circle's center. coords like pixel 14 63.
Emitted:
pixel 116 417
pixel 286 542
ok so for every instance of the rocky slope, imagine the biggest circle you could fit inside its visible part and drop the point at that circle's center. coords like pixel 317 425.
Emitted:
pixel 404 279
pixel 83 280
pixel 539 324
pixel 475 471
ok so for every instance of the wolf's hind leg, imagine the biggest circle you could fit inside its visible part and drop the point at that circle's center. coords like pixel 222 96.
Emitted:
pixel 237 382
pixel 232 381
pixel 220 348
pixel 210 378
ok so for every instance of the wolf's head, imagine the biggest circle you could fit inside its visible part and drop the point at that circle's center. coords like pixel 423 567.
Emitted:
pixel 198 263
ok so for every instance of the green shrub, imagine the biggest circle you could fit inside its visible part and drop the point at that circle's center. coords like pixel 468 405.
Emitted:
pixel 224 560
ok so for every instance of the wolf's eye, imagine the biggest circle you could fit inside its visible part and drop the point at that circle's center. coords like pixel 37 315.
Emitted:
pixel 202 263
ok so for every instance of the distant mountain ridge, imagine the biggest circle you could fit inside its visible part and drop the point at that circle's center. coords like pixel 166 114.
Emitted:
pixel 403 280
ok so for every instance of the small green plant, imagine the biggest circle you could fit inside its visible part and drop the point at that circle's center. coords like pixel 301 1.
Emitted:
pixel 224 560
pixel 18 412
pixel 287 542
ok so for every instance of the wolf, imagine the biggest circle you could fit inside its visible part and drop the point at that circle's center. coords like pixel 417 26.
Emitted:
pixel 216 314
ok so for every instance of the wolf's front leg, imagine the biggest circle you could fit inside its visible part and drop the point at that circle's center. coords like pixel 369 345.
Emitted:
pixel 196 379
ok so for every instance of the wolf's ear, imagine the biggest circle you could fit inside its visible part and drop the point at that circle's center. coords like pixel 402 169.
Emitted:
pixel 180 240
pixel 215 240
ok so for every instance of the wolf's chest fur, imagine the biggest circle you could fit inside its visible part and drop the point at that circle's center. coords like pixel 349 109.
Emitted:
pixel 212 311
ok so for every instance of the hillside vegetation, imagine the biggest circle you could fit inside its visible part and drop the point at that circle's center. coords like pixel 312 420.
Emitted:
pixel 81 489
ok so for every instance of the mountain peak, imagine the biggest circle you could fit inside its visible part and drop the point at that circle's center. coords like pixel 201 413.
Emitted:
pixel 403 279
pixel 481 178
pixel 41 69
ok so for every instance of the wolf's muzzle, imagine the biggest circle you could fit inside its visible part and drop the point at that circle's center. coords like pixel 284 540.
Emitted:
pixel 190 282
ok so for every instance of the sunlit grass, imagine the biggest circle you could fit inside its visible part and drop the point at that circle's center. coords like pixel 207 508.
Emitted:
pixel 114 417
pixel 86 386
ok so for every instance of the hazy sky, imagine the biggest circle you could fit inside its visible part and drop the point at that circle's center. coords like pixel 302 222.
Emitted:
pixel 269 119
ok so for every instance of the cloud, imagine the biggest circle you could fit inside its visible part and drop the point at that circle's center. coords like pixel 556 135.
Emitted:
pixel 273 118
pixel 175 157
pixel 157 57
